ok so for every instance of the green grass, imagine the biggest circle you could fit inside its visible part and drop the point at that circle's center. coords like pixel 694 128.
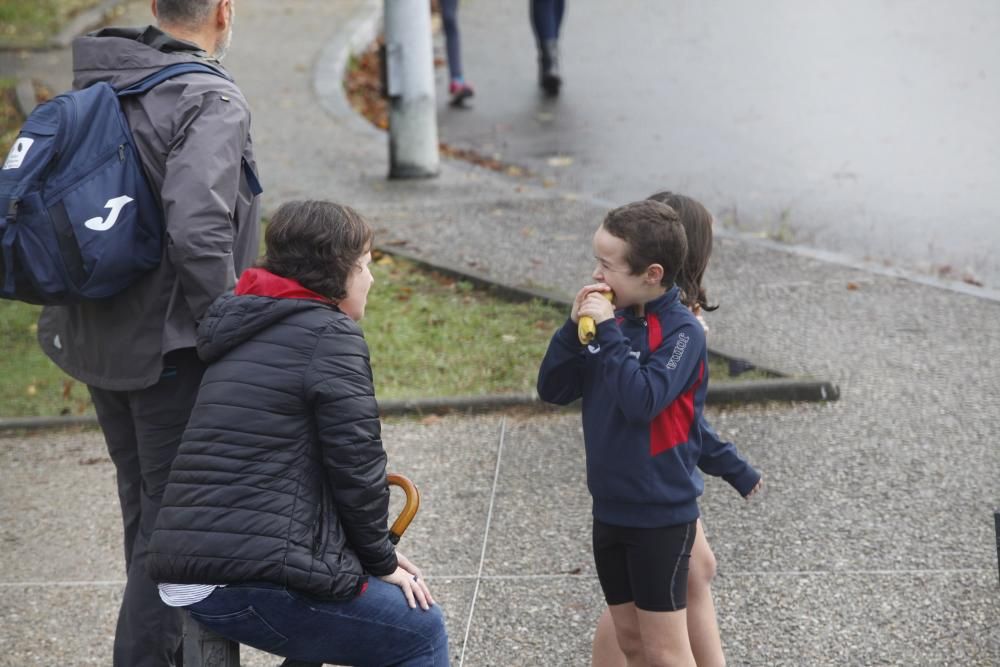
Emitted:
pixel 30 384
pixel 431 335
pixel 10 117
pixel 28 23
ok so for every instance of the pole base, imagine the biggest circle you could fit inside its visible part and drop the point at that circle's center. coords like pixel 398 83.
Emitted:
pixel 401 172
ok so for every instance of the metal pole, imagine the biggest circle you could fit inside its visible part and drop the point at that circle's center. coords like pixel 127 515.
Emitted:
pixel 996 528
pixel 413 136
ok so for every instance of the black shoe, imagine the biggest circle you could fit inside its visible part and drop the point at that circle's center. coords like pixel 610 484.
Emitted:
pixel 548 67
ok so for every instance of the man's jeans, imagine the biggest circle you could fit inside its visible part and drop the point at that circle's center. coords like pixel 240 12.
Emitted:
pixel 143 430
pixel 374 628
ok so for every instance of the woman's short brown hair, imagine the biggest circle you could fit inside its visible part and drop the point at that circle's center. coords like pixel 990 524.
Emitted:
pixel 654 235
pixel 317 244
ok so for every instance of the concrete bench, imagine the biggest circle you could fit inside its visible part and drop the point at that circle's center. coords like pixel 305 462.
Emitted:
pixel 204 648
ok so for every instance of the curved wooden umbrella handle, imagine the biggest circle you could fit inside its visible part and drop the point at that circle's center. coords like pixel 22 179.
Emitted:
pixel 409 508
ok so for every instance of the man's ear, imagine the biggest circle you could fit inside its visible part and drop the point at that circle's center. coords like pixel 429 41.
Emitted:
pixel 654 273
pixel 152 8
pixel 222 14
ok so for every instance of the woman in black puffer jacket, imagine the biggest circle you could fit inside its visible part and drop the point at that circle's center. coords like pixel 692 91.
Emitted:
pixel 276 509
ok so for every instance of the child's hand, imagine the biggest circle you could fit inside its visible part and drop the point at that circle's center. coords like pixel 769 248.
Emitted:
pixel 596 306
pixel 756 487
pixel 581 296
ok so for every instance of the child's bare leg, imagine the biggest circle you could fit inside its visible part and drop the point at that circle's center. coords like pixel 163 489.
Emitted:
pixel 703 629
pixel 664 638
pixel 625 623
pixel 605 651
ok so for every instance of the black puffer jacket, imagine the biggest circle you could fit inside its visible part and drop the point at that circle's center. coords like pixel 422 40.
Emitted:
pixel 281 473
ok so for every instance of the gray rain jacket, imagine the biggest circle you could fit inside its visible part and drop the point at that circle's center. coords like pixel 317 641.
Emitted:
pixel 192 133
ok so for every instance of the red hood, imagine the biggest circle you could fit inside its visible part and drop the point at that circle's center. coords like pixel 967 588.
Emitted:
pixel 258 282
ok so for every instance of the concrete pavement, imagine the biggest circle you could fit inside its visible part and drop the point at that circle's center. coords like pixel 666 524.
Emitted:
pixel 873 543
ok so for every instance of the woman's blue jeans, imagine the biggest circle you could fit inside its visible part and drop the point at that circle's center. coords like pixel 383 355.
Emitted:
pixel 375 628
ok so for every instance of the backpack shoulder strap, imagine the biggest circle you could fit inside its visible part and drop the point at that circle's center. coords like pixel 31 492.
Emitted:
pixel 169 72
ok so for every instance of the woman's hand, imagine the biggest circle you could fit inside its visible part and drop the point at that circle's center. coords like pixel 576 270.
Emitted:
pixel 756 487
pixel 418 576
pixel 411 582
pixel 407 565
pixel 581 296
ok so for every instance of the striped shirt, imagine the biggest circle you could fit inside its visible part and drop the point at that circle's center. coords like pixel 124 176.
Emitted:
pixel 182 595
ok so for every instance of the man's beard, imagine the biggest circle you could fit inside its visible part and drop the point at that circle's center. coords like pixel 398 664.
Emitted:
pixel 223 44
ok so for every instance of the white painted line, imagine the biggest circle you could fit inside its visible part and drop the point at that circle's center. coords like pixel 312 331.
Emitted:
pixel 61 584
pixel 564 575
pixel 486 536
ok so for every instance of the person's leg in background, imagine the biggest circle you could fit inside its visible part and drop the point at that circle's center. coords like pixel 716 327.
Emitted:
pixel 143 430
pixel 457 87
pixel 546 20
pixel 703 626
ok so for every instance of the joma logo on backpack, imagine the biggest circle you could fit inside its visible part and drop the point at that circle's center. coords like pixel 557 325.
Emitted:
pixel 116 205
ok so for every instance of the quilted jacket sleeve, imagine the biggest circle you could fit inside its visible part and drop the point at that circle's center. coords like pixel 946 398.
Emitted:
pixel 339 388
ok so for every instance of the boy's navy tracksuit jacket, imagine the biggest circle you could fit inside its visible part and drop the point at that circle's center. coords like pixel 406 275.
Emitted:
pixel 643 381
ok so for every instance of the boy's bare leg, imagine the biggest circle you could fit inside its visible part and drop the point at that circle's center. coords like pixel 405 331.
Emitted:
pixel 664 638
pixel 703 629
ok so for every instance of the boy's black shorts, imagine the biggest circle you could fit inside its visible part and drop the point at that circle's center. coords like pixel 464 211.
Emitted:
pixel 648 566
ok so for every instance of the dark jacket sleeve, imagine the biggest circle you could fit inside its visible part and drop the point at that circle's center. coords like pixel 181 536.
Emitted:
pixel 560 377
pixel 339 389
pixel 644 389
pixel 200 187
pixel 720 459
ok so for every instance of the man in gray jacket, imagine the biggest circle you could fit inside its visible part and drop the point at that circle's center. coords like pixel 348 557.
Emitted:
pixel 135 351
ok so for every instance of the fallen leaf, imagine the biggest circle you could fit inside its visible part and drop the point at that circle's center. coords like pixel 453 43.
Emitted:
pixel 430 420
pixel 852 286
pixel 94 461
pixel 560 161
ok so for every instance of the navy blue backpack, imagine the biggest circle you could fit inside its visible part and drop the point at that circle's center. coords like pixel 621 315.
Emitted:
pixel 80 221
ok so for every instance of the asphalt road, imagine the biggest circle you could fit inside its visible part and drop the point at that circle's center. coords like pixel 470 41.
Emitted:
pixel 865 127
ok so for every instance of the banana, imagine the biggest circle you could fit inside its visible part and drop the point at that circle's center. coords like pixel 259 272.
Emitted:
pixel 587 329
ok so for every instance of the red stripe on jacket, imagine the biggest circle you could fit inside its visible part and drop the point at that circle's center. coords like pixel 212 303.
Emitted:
pixel 673 425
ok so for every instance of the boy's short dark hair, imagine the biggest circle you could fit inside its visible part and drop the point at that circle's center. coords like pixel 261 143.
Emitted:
pixel 317 244
pixel 654 235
